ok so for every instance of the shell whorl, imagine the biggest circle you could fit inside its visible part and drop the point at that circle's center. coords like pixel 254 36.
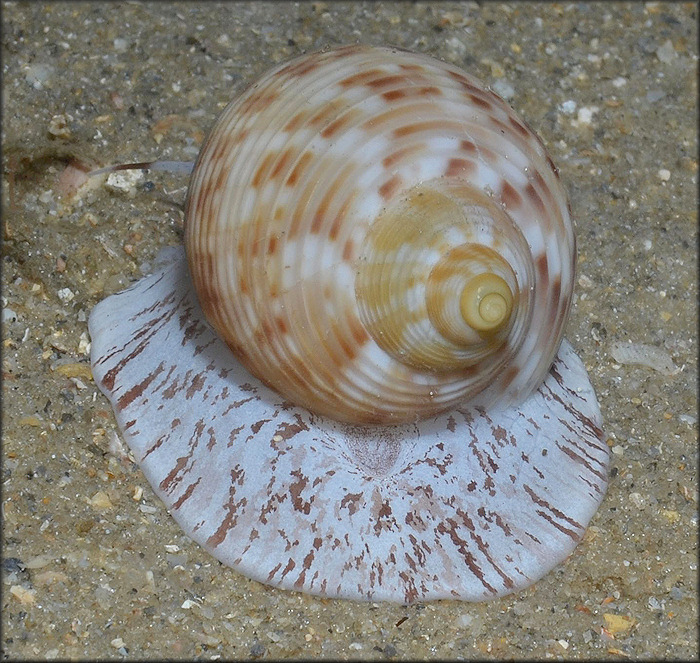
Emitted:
pixel 431 289
pixel 350 214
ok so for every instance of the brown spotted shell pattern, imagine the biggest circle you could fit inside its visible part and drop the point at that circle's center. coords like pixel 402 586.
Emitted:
pixel 378 237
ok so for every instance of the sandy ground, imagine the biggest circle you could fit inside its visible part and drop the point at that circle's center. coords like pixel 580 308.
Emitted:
pixel 93 564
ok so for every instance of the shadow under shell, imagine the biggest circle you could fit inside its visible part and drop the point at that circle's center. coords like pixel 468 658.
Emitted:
pixel 468 505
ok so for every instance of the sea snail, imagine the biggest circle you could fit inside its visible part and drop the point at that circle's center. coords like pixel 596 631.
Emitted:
pixel 373 401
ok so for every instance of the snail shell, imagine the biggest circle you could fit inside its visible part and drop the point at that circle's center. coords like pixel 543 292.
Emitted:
pixel 375 238
pixel 379 238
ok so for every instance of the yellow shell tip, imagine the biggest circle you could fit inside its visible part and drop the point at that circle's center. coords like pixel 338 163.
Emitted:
pixel 493 309
pixel 486 303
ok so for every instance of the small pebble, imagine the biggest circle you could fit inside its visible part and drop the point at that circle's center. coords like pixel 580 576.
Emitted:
pixel 75 370
pixel 100 500
pixel 464 620
pixel 73 179
pixel 84 344
pixel 24 595
pixel 618 623
pixel 257 650
pixel 503 89
pixel 124 181
pixel 666 53
pixel 176 560
pixel 65 295
pixel 676 593
pixel 39 561
pixel 637 500
pixel 644 355
pixel 59 125
pixel 664 175
pixel 457 47
pixel 390 650
pixel 568 106
pixel 654 603
pixel 30 420
pixel 37 74
pixel 647 44
pixel 585 116
pixel 654 96
pixel 671 515
pixel 12 565
pixel 585 282
pixel 8 315
pixel 497 70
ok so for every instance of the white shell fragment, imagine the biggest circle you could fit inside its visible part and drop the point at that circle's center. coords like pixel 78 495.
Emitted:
pixel 125 181
pixel 464 505
pixel 644 355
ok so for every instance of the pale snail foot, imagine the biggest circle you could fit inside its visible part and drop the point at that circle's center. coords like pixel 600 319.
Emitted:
pixel 297 501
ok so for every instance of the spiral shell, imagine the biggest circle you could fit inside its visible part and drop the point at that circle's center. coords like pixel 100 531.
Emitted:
pixel 379 238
